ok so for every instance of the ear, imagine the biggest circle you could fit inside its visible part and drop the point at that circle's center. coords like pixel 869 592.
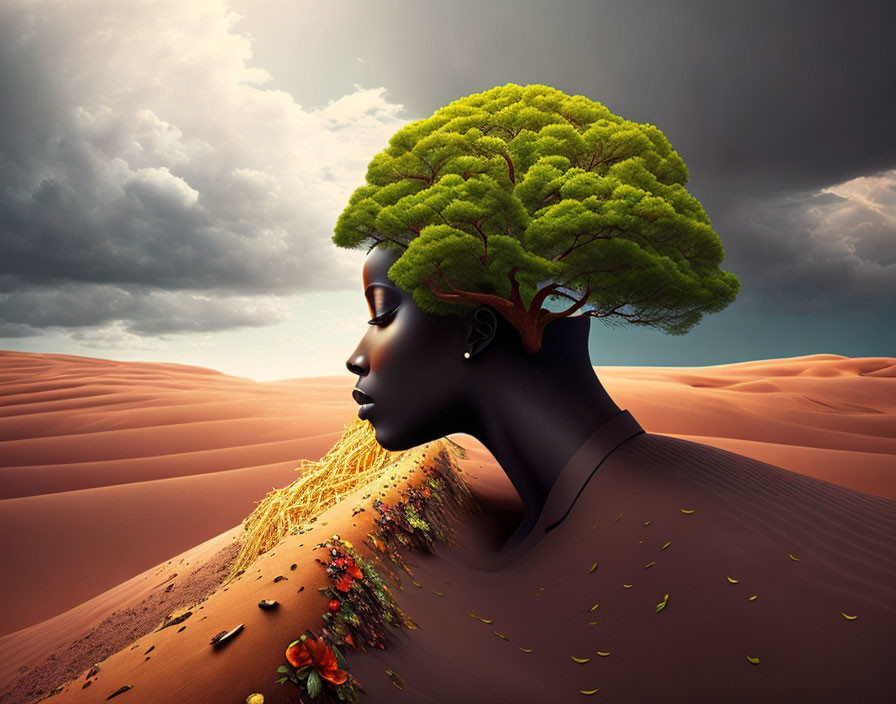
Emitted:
pixel 482 326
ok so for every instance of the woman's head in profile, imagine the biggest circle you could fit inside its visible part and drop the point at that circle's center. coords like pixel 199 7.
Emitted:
pixel 498 227
pixel 409 363
pixel 424 376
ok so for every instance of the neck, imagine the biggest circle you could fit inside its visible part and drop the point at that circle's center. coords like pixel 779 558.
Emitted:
pixel 534 411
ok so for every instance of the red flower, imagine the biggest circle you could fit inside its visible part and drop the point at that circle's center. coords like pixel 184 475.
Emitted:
pixel 317 654
pixel 353 569
pixel 426 492
pixel 344 583
pixel 339 561
pixel 349 640
pixel 334 605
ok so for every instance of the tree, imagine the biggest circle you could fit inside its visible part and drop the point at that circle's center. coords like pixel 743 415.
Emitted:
pixel 527 200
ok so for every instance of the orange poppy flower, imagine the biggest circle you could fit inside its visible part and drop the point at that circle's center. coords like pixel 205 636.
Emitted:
pixel 353 569
pixel 344 583
pixel 317 654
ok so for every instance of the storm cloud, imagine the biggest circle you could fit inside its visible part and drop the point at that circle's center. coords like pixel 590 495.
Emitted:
pixel 141 156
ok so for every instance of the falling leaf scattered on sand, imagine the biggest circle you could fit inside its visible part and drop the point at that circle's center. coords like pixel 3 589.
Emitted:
pixel 627 586
pixel 795 559
pixel 755 661
pixel 438 593
pixel 396 679
pixel 594 607
pixel 666 545
pixel 588 691
pixel 732 580
pixel 501 635
pixel 618 518
pixel 662 604
pixel 603 653
pixel 416 584
pixel 526 650
pixel 592 623
pixel 581 661
pixel 650 564
pixel 848 617
pixel 593 567
pixel 753 598
pixel 688 510
pixel 479 618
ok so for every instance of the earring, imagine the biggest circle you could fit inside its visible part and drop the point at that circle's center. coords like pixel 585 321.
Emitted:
pixel 466 355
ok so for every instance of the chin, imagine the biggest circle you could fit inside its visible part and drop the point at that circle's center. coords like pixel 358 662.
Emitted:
pixel 399 439
pixel 391 442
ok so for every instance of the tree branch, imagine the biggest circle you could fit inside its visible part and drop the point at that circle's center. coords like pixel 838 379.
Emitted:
pixel 380 237
pixel 515 297
pixel 509 167
pixel 575 243
pixel 413 176
pixel 468 296
pixel 477 224
pixel 548 316
pixel 541 295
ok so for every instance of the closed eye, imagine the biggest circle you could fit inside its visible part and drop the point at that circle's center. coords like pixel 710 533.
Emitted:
pixel 384 318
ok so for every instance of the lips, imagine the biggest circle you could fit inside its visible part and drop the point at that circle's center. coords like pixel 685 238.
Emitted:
pixel 360 397
pixel 365 402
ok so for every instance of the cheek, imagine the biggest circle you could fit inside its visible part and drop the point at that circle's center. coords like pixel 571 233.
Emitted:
pixel 407 352
pixel 388 348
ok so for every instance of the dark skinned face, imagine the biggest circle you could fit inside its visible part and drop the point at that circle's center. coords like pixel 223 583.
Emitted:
pixel 410 364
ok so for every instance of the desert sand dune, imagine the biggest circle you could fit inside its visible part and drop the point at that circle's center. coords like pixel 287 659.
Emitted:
pixel 811 551
pixel 112 467
pixel 108 468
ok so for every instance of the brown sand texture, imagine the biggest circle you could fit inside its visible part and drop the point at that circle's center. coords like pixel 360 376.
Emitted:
pixel 110 468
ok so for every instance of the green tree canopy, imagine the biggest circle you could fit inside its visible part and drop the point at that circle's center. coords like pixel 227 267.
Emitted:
pixel 523 195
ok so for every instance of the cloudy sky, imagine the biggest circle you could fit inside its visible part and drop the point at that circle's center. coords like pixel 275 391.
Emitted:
pixel 170 172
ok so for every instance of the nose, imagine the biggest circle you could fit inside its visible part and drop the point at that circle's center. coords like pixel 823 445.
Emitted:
pixel 358 364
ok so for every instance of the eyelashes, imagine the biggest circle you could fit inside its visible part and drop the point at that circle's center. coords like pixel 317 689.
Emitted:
pixel 384 318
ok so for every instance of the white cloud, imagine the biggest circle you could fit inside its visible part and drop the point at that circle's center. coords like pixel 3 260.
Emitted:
pixel 835 247
pixel 142 152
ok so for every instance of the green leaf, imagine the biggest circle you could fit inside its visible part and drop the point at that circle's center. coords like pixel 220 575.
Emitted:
pixel 314 684
pixel 340 658
pixel 284 670
pixel 281 680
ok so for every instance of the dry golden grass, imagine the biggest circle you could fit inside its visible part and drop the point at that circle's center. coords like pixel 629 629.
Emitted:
pixel 355 460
